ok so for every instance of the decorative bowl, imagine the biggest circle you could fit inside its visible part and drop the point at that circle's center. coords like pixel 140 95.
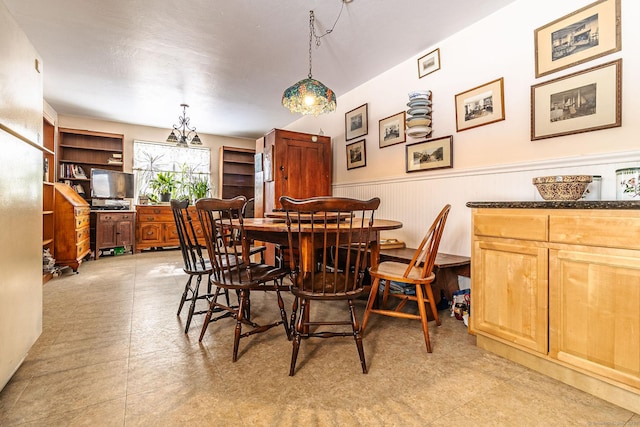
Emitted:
pixel 562 187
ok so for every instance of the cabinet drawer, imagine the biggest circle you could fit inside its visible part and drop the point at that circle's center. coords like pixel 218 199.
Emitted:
pixel 82 248
pixel 82 234
pixel 82 211
pixel 82 221
pixel 511 225
pixel 601 230
pixel 115 216
pixel 150 233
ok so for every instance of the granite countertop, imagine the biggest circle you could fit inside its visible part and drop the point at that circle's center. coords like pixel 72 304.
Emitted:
pixel 577 204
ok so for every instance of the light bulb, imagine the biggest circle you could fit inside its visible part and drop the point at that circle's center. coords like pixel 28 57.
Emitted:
pixel 309 100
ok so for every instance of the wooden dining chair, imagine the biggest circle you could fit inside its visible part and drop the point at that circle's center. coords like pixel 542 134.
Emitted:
pixel 417 274
pixel 232 269
pixel 195 263
pixel 315 228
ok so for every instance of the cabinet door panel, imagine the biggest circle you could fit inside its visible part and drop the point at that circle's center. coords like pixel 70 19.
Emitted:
pixel 106 232
pixel 595 311
pixel 124 232
pixel 511 304
pixel 151 233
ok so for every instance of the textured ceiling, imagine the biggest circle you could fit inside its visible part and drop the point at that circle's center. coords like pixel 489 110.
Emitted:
pixel 136 61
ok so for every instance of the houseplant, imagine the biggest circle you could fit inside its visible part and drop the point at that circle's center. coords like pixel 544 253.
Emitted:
pixel 164 185
pixel 198 188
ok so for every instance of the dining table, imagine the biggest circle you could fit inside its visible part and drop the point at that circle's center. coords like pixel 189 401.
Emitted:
pixel 273 229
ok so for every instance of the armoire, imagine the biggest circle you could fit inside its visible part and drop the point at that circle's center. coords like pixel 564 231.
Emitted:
pixel 290 164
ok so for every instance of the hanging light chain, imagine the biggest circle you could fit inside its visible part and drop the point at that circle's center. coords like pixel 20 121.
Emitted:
pixel 313 35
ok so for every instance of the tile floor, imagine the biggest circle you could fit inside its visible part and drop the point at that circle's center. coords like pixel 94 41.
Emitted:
pixel 113 353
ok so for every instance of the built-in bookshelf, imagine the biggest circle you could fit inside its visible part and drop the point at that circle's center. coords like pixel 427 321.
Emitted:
pixel 48 198
pixel 80 151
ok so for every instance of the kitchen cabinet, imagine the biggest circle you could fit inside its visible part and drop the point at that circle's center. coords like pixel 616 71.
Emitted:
pixel 156 228
pixel 236 172
pixel 80 151
pixel 112 229
pixel 71 227
pixel 558 290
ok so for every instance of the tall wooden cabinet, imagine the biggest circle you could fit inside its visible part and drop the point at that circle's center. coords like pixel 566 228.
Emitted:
pixel 71 227
pixel 79 151
pixel 236 172
pixel 293 164
pixel 559 291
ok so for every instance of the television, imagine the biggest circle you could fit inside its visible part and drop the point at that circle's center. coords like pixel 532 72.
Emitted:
pixel 108 184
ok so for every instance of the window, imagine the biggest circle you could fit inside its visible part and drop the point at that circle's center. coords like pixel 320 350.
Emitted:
pixel 191 167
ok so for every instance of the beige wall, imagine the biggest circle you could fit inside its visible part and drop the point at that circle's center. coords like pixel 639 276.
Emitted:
pixel 502 45
pixel 146 133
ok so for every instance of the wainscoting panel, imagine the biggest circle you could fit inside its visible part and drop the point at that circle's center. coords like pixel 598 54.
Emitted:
pixel 417 198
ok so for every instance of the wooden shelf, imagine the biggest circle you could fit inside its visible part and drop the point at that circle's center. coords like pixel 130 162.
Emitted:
pixel 89 150
pixel 236 174
pixel 48 189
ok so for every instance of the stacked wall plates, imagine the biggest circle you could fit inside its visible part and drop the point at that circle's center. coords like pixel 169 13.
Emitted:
pixel 419 114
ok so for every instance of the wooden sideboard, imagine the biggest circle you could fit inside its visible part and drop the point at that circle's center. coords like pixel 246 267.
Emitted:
pixel 558 290
pixel 71 227
pixel 156 228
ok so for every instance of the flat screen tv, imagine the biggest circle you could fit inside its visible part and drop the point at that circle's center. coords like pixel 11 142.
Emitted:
pixel 108 184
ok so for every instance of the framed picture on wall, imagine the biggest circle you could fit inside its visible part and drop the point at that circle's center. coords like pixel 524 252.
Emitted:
pixel 356 154
pixel 430 154
pixel 392 130
pixel 429 63
pixel 583 35
pixel 480 106
pixel 580 102
pixel 356 123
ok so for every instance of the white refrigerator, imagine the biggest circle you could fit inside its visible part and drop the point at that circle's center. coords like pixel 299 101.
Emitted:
pixel 21 172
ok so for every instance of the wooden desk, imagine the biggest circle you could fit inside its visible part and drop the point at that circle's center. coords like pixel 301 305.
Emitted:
pixel 274 230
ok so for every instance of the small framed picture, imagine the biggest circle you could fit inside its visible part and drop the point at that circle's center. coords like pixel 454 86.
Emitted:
pixel 356 122
pixel 356 154
pixel 429 63
pixel 392 130
pixel 480 106
pixel 431 154
pixel 580 102
pixel 583 35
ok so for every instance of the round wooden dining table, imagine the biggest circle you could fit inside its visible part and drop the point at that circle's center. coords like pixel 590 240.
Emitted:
pixel 274 230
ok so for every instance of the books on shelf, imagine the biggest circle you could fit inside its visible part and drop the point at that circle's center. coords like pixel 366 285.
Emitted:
pixel 115 159
pixel 70 170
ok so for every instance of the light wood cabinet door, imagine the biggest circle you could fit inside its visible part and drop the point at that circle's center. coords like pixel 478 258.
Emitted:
pixel 594 312
pixel 510 302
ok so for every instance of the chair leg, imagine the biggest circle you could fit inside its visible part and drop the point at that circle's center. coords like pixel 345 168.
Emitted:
pixel 184 294
pixel 244 301
pixel 283 313
pixel 294 312
pixel 194 299
pixel 373 295
pixel 432 303
pixel 207 318
pixel 357 337
pixel 297 336
pixel 423 317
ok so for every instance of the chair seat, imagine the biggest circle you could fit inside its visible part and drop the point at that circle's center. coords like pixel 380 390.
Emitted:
pixel 330 288
pixel 394 271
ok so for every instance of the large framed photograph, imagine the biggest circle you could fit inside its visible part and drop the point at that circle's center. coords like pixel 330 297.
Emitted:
pixel 356 154
pixel 430 154
pixel 429 63
pixel 356 123
pixel 392 130
pixel 580 36
pixel 480 106
pixel 580 102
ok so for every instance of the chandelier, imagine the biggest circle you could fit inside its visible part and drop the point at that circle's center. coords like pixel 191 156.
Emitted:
pixel 181 133
pixel 310 96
